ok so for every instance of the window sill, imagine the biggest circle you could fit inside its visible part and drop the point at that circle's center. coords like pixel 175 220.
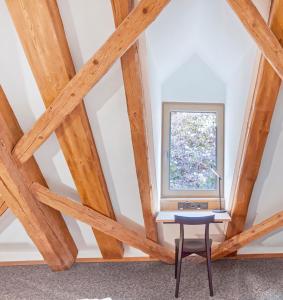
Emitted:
pixel 167 204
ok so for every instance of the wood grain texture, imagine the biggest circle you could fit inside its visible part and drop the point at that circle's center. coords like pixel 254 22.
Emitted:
pixel 131 70
pixel 242 239
pixel 264 99
pixel 71 96
pixel 42 35
pixel 3 206
pixel 44 225
pixel 261 33
pixel 102 223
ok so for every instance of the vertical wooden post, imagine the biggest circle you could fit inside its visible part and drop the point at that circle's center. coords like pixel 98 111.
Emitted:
pixel 41 31
pixel 131 69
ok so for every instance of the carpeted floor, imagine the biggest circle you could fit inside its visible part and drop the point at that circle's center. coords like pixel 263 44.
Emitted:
pixel 241 280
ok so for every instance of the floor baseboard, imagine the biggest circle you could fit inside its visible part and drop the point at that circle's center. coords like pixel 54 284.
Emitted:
pixel 79 260
pixel 255 256
pixel 135 259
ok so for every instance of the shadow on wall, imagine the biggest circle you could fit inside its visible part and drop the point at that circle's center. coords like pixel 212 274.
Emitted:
pixel 194 81
pixel 268 188
pixel 99 95
pixel 106 109
pixel 267 194
pixel 15 72
pixel 28 106
pixel 6 220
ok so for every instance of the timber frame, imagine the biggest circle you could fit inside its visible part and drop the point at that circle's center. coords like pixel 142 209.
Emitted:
pixel 258 125
pixel 42 35
pixel 22 186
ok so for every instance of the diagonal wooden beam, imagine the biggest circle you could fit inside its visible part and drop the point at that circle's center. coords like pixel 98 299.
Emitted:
pixel 41 31
pixel 71 96
pixel 100 222
pixel 3 206
pixel 242 239
pixel 263 104
pixel 131 69
pixel 261 33
pixel 44 225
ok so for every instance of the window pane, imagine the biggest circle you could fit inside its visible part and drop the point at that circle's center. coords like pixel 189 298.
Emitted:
pixel 192 151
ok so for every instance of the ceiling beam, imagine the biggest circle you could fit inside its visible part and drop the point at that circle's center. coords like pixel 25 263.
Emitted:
pixel 71 96
pixel 131 69
pixel 261 33
pixel 108 226
pixel 3 206
pixel 44 225
pixel 41 31
pixel 242 239
pixel 262 108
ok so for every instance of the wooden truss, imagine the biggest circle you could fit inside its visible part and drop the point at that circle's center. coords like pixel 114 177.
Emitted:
pixel 263 104
pixel 23 188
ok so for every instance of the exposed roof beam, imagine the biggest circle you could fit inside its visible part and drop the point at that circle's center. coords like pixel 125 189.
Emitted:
pixel 102 223
pixel 131 69
pixel 3 206
pixel 44 225
pixel 5 110
pixel 242 239
pixel 71 96
pixel 263 103
pixel 42 35
pixel 261 33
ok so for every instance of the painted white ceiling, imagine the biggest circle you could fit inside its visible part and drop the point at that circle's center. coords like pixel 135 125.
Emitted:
pixel 208 28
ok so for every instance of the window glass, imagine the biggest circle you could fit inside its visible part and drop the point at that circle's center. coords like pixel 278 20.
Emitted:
pixel 192 151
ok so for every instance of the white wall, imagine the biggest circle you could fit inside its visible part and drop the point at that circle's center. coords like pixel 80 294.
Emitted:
pixel 194 81
pixel 239 92
pixel 211 59
pixel 106 108
pixel 268 192
pixel 220 54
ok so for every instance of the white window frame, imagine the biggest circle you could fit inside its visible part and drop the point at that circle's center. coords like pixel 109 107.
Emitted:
pixel 168 107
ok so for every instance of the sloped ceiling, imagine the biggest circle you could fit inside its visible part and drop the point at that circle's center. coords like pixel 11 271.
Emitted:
pixel 203 29
pixel 187 83
pixel 209 28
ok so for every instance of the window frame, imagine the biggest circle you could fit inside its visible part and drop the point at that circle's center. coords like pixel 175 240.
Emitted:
pixel 167 108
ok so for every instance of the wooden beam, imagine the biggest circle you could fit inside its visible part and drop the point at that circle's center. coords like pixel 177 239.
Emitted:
pixel 31 167
pixel 249 235
pixel 3 206
pixel 102 223
pixel 41 31
pixel 44 225
pixel 261 33
pixel 263 104
pixel 71 96
pixel 131 70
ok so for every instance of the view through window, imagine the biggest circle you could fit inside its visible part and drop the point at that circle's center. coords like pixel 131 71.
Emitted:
pixel 193 148
pixel 192 151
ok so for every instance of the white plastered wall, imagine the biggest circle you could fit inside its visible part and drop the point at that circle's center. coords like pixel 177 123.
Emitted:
pixel 204 37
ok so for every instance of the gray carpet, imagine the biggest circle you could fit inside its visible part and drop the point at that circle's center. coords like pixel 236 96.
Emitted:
pixel 241 280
